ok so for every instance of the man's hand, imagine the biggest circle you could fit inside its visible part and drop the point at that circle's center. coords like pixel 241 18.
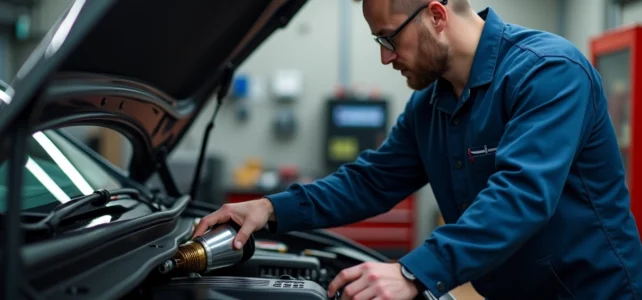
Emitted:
pixel 250 215
pixel 373 281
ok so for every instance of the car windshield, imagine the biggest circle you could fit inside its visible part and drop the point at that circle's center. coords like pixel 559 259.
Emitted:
pixel 55 172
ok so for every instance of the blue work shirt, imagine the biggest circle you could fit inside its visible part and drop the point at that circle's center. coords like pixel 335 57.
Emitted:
pixel 525 167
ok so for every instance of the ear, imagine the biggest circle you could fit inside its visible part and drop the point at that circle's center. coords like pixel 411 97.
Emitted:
pixel 438 15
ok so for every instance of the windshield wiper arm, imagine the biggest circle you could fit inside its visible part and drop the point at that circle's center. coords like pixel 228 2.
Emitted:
pixel 98 198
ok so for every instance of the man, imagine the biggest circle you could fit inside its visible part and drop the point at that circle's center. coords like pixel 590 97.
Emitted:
pixel 510 127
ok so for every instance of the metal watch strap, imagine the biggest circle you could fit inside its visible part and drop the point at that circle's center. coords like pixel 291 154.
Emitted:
pixel 423 291
pixel 407 274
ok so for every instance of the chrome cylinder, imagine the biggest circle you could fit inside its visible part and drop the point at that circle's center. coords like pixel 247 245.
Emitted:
pixel 212 250
pixel 219 247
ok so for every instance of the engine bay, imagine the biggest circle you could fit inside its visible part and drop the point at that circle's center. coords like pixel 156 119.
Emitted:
pixel 267 268
pixel 271 272
pixel 148 259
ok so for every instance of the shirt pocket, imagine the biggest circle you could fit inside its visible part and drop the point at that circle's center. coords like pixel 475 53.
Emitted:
pixel 481 165
pixel 481 158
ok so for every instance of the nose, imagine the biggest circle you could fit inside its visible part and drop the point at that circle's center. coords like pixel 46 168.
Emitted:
pixel 387 56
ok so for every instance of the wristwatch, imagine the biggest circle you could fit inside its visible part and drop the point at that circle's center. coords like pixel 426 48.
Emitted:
pixel 420 287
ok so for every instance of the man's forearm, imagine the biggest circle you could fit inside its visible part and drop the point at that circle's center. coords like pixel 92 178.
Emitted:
pixel 322 205
pixel 347 196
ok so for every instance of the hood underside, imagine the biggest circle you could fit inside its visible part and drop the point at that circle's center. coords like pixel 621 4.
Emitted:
pixel 143 67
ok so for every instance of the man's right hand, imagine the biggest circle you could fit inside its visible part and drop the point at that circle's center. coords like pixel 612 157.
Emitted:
pixel 250 215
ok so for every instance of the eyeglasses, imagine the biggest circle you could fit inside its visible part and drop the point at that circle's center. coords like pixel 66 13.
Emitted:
pixel 386 41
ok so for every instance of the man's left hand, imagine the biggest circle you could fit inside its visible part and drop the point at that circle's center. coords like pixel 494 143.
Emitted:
pixel 373 281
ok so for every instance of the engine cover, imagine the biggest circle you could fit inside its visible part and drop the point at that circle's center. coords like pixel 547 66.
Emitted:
pixel 227 287
pixel 275 265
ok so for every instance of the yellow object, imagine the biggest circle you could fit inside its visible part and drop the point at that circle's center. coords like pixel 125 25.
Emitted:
pixel 248 175
pixel 254 163
pixel 343 148
pixel 246 178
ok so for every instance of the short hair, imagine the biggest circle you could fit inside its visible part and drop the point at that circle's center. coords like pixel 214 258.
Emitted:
pixel 409 6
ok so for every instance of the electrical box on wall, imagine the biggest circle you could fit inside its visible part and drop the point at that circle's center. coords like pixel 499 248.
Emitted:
pixel 287 85
pixel 285 124
pixel 240 93
pixel 353 125
pixel 240 87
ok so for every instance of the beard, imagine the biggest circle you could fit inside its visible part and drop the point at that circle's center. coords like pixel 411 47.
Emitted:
pixel 431 63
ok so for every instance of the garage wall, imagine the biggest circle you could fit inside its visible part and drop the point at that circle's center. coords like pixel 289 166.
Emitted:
pixel 589 18
pixel 585 19
pixel 632 13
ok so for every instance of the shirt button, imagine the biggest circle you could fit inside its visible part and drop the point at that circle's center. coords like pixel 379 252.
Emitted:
pixel 456 121
pixel 458 164
pixel 441 286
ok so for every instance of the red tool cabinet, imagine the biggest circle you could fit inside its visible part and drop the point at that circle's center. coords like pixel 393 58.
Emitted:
pixel 617 55
pixel 392 233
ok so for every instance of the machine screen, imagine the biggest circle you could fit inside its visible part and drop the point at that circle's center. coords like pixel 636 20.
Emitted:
pixel 358 116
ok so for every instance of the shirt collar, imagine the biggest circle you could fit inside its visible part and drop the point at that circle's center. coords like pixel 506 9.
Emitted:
pixel 484 64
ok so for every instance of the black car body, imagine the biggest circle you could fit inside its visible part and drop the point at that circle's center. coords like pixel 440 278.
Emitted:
pixel 146 69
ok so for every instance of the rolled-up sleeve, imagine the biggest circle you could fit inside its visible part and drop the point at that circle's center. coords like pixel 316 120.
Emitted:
pixel 552 109
pixel 371 185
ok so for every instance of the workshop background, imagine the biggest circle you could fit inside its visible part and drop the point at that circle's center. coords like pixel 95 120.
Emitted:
pixel 296 116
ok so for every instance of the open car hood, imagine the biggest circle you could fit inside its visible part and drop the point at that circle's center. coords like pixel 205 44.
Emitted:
pixel 143 67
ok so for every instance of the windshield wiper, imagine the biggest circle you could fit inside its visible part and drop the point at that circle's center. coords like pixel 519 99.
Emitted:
pixel 99 198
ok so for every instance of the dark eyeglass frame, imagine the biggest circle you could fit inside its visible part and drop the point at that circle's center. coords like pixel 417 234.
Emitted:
pixel 387 42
